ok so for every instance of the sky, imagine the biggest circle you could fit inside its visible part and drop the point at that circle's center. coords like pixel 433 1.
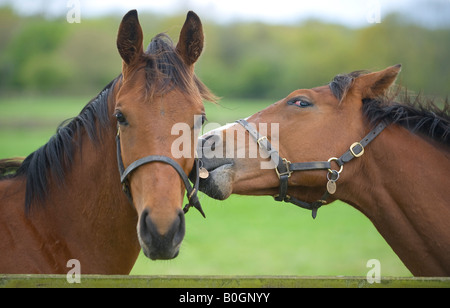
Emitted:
pixel 353 13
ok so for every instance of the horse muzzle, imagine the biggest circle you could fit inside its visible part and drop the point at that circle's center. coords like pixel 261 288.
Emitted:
pixel 157 246
pixel 217 181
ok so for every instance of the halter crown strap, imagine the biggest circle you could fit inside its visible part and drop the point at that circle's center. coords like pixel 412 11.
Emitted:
pixel 357 148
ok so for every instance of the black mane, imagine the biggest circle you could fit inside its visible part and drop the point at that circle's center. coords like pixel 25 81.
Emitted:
pixel 56 156
pixel 414 113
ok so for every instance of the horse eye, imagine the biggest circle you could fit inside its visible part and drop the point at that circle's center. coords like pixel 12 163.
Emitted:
pixel 120 118
pixel 200 120
pixel 303 104
pixel 300 102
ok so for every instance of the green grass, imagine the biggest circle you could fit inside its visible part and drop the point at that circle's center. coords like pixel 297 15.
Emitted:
pixel 27 123
pixel 242 235
pixel 258 236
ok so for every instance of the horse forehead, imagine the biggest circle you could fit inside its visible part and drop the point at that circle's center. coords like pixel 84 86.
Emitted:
pixel 314 92
pixel 136 95
pixel 322 90
pixel 179 104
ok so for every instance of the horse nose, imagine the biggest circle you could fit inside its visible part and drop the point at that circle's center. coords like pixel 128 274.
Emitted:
pixel 157 246
pixel 211 151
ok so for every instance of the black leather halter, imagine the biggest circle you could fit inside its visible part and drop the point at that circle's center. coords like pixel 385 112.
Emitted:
pixel 285 168
pixel 191 191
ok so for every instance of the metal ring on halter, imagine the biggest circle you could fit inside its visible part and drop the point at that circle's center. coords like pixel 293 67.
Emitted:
pixel 335 175
pixel 335 159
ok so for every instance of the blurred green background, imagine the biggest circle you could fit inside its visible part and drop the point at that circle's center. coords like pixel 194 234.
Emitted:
pixel 49 69
pixel 41 55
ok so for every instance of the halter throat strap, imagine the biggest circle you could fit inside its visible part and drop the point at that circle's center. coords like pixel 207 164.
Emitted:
pixel 285 168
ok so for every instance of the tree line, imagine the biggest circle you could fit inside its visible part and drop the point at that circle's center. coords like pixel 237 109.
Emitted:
pixel 241 60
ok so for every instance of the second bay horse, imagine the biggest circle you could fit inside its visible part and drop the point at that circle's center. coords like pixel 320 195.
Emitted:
pixel 349 140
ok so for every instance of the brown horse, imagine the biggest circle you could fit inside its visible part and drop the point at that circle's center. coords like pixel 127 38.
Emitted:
pixel 394 163
pixel 65 200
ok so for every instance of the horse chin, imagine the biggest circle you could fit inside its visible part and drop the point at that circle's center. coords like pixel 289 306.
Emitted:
pixel 158 255
pixel 151 255
pixel 219 184
pixel 160 245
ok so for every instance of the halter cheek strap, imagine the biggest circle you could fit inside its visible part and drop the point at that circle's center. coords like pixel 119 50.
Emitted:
pixel 285 168
pixel 191 191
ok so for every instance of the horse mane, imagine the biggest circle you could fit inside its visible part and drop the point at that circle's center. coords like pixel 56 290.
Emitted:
pixel 417 114
pixel 164 71
pixel 56 156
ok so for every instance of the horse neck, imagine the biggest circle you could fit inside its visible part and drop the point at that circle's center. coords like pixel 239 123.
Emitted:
pixel 401 185
pixel 89 213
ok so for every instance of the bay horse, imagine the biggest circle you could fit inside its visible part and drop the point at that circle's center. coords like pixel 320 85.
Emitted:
pixel 65 200
pixel 349 140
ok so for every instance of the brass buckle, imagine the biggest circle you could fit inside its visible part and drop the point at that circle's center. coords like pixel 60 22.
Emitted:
pixel 288 172
pixel 353 152
pixel 259 140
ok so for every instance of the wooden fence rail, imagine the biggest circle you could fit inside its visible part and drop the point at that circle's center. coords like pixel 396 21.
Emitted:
pixel 92 281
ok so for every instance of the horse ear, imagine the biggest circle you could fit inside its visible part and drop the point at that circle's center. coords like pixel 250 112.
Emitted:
pixel 190 44
pixel 375 84
pixel 130 38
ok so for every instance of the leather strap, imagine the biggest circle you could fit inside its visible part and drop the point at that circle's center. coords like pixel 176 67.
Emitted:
pixel 314 165
pixel 285 168
pixel 357 148
pixel 191 191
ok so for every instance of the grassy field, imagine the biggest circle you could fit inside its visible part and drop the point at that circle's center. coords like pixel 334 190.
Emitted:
pixel 242 235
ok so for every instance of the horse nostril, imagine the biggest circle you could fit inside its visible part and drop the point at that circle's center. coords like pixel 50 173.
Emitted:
pixel 145 227
pixel 179 227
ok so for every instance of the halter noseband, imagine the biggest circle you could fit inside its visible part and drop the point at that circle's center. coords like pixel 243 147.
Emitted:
pixel 191 192
pixel 285 168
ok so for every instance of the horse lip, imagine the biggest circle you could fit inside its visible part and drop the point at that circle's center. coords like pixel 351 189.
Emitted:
pixel 154 257
pixel 215 163
pixel 220 168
